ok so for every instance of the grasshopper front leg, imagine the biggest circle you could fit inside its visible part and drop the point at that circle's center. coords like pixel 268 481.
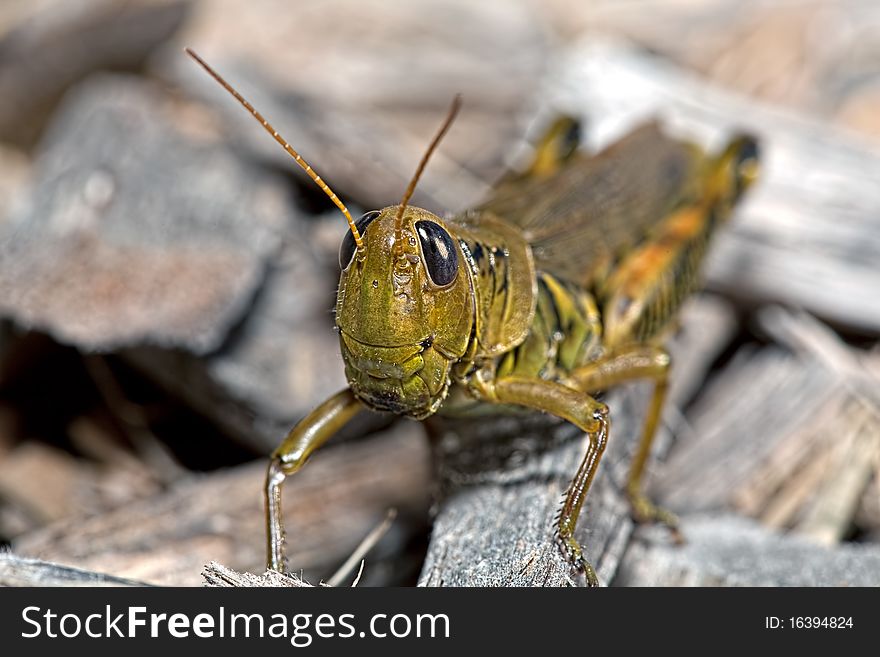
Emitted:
pixel 307 436
pixel 588 415
pixel 629 364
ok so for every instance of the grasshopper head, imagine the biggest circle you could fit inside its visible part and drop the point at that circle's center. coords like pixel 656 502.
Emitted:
pixel 404 312
pixel 405 304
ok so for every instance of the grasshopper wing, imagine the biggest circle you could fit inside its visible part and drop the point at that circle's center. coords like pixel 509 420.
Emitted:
pixel 583 218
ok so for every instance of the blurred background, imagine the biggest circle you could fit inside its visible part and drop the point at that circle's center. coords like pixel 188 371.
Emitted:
pixel 167 273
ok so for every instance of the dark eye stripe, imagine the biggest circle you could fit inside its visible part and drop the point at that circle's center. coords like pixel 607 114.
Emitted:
pixel 438 249
pixel 346 249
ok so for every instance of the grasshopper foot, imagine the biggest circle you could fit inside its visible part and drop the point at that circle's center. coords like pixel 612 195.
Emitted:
pixel 645 511
pixel 582 565
pixel 573 551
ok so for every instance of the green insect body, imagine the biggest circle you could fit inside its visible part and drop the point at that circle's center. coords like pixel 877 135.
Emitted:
pixel 564 283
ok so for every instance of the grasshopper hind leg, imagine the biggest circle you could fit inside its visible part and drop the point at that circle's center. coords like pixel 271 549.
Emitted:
pixel 643 509
pixel 557 145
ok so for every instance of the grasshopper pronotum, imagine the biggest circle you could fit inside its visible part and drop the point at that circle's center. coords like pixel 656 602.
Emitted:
pixel 563 283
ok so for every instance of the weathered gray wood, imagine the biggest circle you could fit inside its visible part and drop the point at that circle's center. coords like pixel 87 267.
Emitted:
pixel 143 235
pixel 363 120
pixel 218 575
pixel 41 484
pixel 330 506
pixel 503 480
pixel 765 49
pixel 127 237
pixel 868 514
pixel 789 438
pixel 829 519
pixel 282 360
pixel 21 571
pixel 809 233
pixel 15 169
pixel 734 551
pixel 759 400
pixel 43 53
pixel 850 437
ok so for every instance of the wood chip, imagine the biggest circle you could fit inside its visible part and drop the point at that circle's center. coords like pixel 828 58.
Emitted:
pixel 831 518
pixel 734 551
pixel 746 412
pixel 330 506
pixel 46 482
pixel 43 53
pixel 363 117
pixel 20 571
pixel 218 575
pixel 127 237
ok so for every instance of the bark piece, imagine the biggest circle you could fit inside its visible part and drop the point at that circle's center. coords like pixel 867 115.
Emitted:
pixel 44 52
pixel 21 571
pixel 15 171
pixel 365 126
pixel 334 502
pixel 734 551
pixel 143 236
pixel 218 575
pixel 788 438
pixel 749 410
pixel 132 233
pixel 281 361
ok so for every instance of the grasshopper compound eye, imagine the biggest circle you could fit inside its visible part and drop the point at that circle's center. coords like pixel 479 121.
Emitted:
pixel 348 246
pixel 438 249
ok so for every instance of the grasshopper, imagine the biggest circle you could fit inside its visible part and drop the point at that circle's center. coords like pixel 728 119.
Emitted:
pixel 564 283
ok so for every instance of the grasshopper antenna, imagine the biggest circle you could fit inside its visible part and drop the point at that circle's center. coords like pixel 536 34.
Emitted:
pixel 398 222
pixel 296 156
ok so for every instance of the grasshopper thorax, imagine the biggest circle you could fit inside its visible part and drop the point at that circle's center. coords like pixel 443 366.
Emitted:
pixel 404 314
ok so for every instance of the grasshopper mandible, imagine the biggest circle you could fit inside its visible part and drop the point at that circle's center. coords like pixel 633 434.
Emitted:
pixel 564 283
